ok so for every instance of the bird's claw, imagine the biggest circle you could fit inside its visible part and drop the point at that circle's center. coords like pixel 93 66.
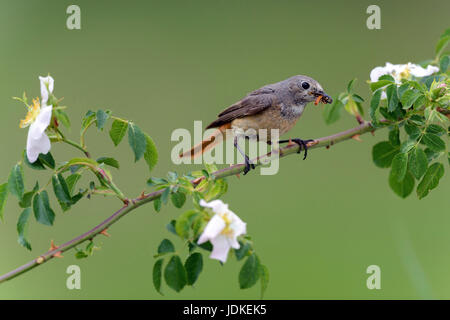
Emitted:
pixel 248 165
pixel 303 144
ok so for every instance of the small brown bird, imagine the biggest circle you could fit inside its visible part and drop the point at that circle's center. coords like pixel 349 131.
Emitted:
pixel 274 106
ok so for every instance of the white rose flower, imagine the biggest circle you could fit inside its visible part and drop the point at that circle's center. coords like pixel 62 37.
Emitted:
pixel 38 119
pixel 222 230
pixel 400 72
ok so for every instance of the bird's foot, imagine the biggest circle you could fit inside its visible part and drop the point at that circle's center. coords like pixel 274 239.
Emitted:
pixel 303 144
pixel 248 165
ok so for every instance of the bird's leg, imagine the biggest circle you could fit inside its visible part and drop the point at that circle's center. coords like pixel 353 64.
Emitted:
pixel 248 163
pixel 303 144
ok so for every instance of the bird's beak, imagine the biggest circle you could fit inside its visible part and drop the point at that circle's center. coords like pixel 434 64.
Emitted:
pixel 322 97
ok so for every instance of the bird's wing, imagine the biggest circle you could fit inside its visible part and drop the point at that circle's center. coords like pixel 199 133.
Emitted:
pixel 254 103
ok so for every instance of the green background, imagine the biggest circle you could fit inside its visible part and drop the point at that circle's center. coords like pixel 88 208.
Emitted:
pixel 317 224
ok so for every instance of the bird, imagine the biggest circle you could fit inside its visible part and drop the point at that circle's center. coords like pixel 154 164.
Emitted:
pixel 273 106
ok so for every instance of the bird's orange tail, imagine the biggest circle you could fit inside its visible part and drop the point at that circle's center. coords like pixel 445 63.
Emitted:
pixel 207 144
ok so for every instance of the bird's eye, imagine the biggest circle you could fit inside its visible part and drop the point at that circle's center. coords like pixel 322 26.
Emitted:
pixel 305 85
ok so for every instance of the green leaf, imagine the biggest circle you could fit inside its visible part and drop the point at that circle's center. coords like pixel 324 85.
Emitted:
pixel 443 63
pixel 171 227
pixel 417 163
pixel 374 103
pixel 165 195
pixel 21 228
pixel 332 112
pixel 175 274
pixel 88 119
pixel 442 43
pixel 157 204
pixel 48 160
pixel 3 196
pixel 15 181
pixel 407 145
pixel 383 153
pixel 109 161
pixel 357 98
pixel 243 250
pixel 433 142
pixel 72 182
pixel 399 166
pixel 62 117
pixel 28 197
pixel 394 136
pixel 379 84
pixel 37 165
pixel 178 199
pixel 412 131
pixel 166 246
pixel 151 154
pixel 264 277
pixel 193 266
pixel 402 188
pixel 430 180
pixel 436 129
pixel 184 222
pixel 157 275
pixel 156 181
pixel 101 116
pixel 137 141
pixel 118 130
pixel 42 211
pixel 249 273
pixel 61 191
pixel 392 97
pixel 409 97
pixel 350 85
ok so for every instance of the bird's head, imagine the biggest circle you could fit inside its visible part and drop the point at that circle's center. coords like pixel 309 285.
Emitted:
pixel 306 89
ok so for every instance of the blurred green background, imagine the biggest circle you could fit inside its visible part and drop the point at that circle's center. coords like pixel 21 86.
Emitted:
pixel 317 224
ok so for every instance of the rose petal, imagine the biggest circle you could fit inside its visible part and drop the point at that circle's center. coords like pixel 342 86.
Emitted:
pixel 221 246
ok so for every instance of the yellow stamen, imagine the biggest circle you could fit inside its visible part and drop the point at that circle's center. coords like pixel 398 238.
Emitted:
pixel 227 230
pixel 33 111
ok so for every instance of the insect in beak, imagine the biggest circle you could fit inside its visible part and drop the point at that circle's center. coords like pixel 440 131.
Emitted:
pixel 322 97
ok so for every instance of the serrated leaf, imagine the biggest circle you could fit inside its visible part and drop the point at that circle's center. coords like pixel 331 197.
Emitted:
pixel 399 166
pixel 394 136
pixel 433 142
pixel 61 192
pixel 178 199
pixel 193 266
pixel 402 188
pixel 383 153
pixel 249 273
pixel 392 97
pixel 37 165
pixel 109 161
pixel 101 117
pixel 409 97
pixel 412 131
pixel 407 145
pixel 157 275
pixel 118 130
pixel 15 181
pixel 42 211
pixel 166 246
pixel 21 228
pixel 137 141
pixel 151 153
pixel 175 274
pixel 436 129
pixel 430 180
pixel 3 197
pixel 417 163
